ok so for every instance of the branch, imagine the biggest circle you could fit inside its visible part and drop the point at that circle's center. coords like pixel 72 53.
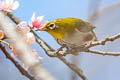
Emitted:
pixel 13 18
pixel 18 66
pixel 49 51
pixel 74 68
pixel 103 53
pixel 86 47
pixel 102 42
pixel 52 53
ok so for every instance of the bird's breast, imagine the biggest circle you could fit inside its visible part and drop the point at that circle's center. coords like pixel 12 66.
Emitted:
pixel 79 38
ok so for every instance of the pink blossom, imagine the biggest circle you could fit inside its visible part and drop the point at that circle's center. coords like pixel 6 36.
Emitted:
pixel 29 38
pixel 8 5
pixel 36 22
pixel 22 28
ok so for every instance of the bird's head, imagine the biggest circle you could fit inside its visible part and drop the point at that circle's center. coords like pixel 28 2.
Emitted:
pixel 58 28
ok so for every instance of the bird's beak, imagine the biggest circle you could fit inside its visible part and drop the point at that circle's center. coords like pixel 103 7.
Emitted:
pixel 40 29
pixel 43 28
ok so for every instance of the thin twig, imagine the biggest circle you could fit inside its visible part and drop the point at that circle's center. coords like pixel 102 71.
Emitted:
pixel 13 18
pixel 102 42
pixel 18 66
pixel 103 53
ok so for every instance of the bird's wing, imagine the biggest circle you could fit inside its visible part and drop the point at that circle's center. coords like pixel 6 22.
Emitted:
pixel 83 26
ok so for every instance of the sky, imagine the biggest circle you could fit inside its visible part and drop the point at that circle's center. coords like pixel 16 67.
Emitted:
pixel 52 9
pixel 95 67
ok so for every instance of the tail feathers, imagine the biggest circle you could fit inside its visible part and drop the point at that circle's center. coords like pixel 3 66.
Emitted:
pixel 95 37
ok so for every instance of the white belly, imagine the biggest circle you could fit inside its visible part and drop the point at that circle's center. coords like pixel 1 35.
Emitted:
pixel 79 38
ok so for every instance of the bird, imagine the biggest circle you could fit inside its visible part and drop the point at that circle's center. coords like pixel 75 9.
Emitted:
pixel 70 29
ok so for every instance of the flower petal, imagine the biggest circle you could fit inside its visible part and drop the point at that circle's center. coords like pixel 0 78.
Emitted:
pixel 8 5
pixel 23 23
pixel 8 2
pixel 15 5
pixel 40 18
pixel 30 38
pixel 33 17
pixel 22 28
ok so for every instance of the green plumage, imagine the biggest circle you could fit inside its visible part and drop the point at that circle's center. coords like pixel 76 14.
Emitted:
pixel 65 26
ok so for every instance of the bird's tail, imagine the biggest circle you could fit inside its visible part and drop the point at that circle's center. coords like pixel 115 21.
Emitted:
pixel 95 37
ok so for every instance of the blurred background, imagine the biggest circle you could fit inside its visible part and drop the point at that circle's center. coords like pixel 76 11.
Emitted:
pixel 104 14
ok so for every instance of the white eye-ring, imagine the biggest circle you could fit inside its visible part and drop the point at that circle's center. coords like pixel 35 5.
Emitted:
pixel 52 25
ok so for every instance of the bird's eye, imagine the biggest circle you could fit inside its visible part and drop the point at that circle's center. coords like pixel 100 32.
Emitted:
pixel 52 25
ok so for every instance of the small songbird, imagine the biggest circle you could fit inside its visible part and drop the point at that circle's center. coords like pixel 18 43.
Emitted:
pixel 72 30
